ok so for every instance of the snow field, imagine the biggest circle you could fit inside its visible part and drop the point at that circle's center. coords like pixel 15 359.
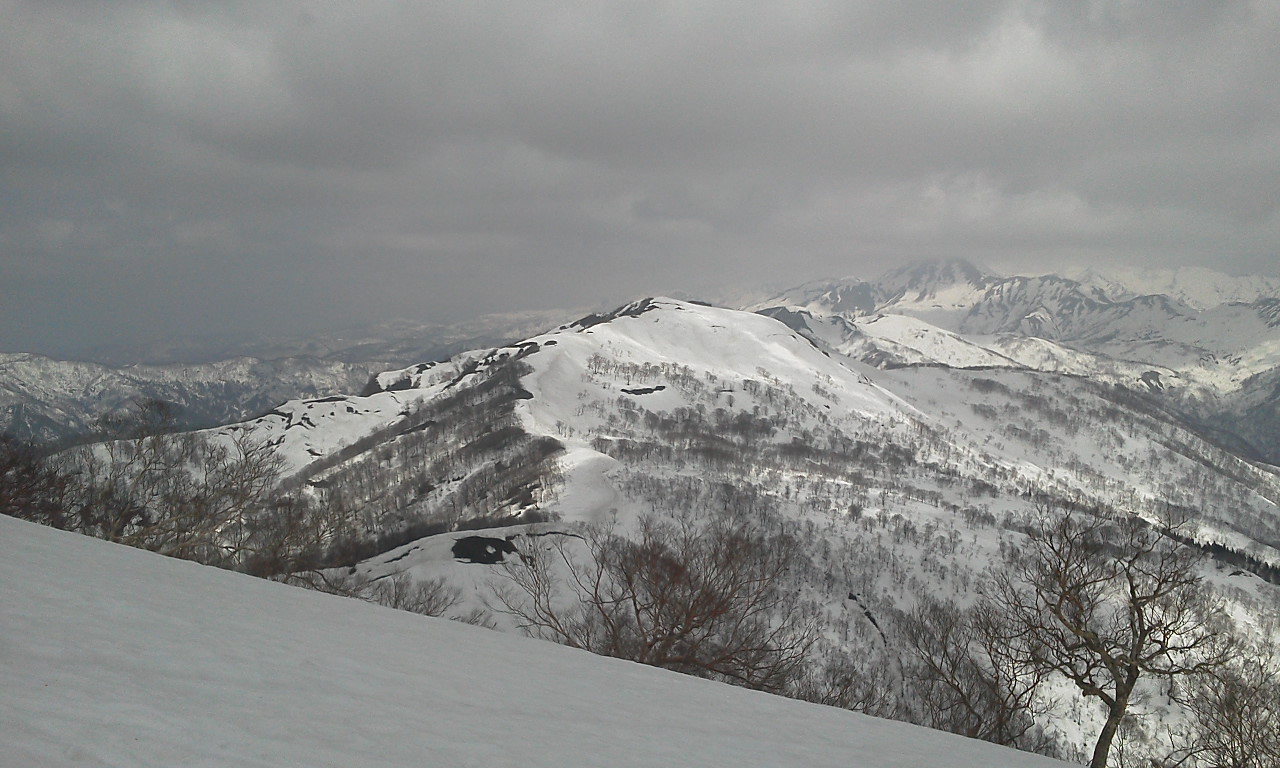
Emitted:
pixel 113 656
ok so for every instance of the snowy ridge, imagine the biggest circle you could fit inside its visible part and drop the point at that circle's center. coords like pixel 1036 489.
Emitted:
pixel 47 399
pixel 1206 342
pixel 1196 287
pixel 729 344
pixel 194 666
pixel 303 431
pixel 614 383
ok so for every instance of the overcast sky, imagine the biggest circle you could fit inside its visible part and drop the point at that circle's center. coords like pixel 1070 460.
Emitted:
pixel 177 168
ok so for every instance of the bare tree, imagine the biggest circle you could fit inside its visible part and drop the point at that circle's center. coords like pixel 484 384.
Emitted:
pixel 1235 714
pixel 1105 600
pixel 700 597
pixel 429 597
pixel 866 685
pixel 32 485
pixel 186 495
pixel 971 675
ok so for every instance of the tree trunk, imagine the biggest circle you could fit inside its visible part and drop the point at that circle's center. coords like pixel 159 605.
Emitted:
pixel 1102 749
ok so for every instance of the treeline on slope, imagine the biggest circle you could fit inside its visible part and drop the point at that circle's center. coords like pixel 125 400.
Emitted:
pixel 181 494
pixel 717 583
pixel 459 462
pixel 945 663
pixel 1116 416
pixel 701 596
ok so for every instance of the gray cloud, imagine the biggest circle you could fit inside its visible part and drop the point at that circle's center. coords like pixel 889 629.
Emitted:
pixel 180 168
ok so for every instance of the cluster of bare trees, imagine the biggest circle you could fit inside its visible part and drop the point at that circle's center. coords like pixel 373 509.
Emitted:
pixel 1234 714
pixel 183 494
pixel 1105 601
pixel 1099 600
pixel 966 679
pixel 426 596
pixel 699 596
pixel 1102 601
pixel 31 487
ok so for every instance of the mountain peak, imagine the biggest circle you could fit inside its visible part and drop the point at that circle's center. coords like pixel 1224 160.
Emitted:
pixel 924 279
pixel 833 295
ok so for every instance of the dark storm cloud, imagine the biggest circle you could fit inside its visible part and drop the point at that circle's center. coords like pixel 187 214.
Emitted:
pixel 188 167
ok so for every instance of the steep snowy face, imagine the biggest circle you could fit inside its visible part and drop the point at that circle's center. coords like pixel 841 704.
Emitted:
pixel 1048 307
pixel 666 351
pixel 1157 329
pixel 667 375
pixel 886 340
pixel 932 286
pixel 1196 344
pixel 1154 329
pixel 938 290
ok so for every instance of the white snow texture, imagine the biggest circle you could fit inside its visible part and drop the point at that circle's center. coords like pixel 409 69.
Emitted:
pixel 116 657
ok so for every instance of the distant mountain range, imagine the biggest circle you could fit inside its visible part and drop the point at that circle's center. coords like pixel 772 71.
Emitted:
pixel 51 400
pixel 1208 347
pixel 1216 361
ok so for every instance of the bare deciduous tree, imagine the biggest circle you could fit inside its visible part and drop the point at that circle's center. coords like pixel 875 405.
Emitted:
pixel 1104 601
pixel 1235 714
pixel 32 485
pixel 867 686
pixel 429 597
pixel 971 675
pixel 185 494
pixel 700 597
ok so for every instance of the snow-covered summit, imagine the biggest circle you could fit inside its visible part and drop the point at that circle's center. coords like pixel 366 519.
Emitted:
pixel 947 285
pixel 732 346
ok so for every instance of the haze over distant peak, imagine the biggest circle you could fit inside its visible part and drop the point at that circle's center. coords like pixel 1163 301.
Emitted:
pixel 1197 287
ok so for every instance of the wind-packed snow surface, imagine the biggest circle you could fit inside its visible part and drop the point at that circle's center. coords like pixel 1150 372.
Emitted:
pixel 117 657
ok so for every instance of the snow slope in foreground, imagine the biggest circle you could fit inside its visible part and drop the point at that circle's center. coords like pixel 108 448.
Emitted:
pixel 112 656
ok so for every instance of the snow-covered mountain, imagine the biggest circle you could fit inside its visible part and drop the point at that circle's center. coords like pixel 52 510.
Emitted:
pixel 1196 287
pixel 660 374
pixel 1209 359
pixel 907 457
pixel 114 656
pixel 47 400
pixel 934 290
